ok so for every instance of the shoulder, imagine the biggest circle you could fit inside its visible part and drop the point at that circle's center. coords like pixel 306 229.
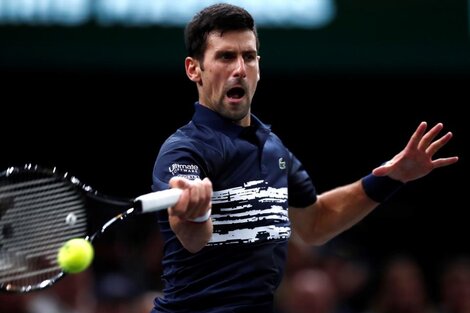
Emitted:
pixel 199 143
pixel 195 137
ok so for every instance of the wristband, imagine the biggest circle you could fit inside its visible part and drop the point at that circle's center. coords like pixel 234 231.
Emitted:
pixel 380 188
pixel 201 219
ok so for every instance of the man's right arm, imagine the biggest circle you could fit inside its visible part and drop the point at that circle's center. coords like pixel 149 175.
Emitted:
pixel 194 202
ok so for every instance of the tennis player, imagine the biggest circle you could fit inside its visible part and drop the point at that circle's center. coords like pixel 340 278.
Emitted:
pixel 244 191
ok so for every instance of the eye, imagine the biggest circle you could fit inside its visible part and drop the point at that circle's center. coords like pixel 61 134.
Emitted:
pixel 227 56
pixel 250 57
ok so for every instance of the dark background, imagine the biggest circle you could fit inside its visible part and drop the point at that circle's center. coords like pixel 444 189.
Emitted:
pixel 99 101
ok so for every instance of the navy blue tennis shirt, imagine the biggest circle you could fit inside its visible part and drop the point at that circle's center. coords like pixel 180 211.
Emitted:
pixel 255 178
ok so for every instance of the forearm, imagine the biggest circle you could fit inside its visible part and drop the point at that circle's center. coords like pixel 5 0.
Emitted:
pixel 192 235
pixel 334 212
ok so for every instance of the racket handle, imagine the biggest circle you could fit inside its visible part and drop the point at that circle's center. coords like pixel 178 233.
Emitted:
pixel 158 200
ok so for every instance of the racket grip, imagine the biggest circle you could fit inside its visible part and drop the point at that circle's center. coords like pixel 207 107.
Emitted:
pixel 158 200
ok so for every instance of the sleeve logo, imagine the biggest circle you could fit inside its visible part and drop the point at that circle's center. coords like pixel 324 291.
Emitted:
pixel 190 171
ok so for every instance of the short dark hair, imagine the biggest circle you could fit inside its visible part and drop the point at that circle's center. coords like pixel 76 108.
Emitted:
pixel 217 17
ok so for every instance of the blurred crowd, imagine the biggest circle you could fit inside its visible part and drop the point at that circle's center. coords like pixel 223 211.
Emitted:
pixel 341 280
pixel 335 278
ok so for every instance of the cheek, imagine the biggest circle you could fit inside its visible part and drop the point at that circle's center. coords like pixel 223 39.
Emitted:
pixel 215 80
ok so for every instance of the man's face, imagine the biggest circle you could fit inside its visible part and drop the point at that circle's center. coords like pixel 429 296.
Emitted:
pixel 229 74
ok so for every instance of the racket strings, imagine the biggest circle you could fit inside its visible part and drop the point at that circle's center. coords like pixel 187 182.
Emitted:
pixel 37 215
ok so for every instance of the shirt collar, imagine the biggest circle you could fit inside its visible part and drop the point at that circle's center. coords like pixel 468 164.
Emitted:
pixel 206 116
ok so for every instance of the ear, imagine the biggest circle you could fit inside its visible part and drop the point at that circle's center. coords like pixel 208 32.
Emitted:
pixel 193 69
pixel 259 71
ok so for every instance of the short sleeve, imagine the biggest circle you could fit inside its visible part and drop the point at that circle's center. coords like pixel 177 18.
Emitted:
pixel 302 191
pixel 176 158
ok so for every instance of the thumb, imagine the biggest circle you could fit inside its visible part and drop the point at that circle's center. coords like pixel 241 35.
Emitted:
pixel 179 182
pixel 383 169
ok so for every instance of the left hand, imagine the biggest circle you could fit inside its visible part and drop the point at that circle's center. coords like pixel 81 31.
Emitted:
pixel 415 160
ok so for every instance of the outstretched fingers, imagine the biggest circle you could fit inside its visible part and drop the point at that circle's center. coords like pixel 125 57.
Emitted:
pixel 415 139
pixel 415 160
pixel 438 144
pixel 444 161
pixel 428 138
pixel 432 147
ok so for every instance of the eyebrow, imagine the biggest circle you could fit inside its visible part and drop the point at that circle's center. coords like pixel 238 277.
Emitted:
pixel 228 50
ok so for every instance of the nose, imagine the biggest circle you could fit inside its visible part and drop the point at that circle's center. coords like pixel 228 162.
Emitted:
pixel 240 68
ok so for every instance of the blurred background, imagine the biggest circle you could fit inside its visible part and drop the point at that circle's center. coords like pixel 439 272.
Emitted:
pixel 95 86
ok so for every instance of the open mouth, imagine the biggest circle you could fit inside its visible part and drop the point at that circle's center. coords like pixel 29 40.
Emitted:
pixel 236 93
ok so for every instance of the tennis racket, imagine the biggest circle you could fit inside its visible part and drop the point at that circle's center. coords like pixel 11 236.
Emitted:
pixel 41 209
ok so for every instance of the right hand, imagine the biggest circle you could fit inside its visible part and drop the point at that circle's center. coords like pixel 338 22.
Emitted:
pixel 195 200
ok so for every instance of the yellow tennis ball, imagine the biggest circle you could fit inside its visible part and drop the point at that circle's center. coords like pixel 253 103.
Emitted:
pixel 75 255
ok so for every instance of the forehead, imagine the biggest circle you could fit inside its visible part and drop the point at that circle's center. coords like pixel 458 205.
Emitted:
pixel 243 40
